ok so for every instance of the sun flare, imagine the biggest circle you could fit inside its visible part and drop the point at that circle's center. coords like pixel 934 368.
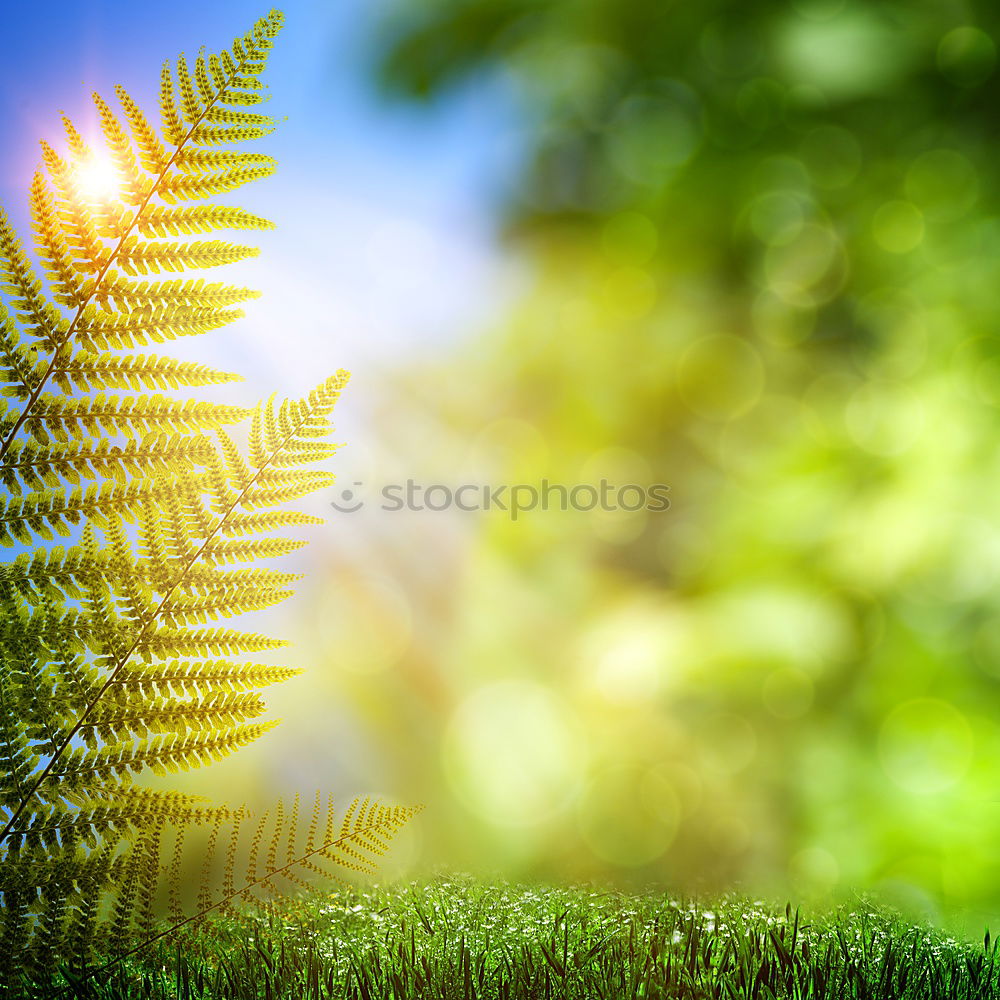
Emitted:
pixel 97 179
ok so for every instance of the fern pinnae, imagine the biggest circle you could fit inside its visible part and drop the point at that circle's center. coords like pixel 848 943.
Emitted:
pixel 381 823
pixel 49 513
pixel 151 151
pixel 167 221
pixel 269 442
pixel 96 688
pixel 109 371
pixel 55 254
pixel 181 677
pixel 271 864
pixel 175 913
pixel 41 319
pixel 125 293
pixel 208 863
pixel 22 275
pixel 122 812
pixel 34 466
pixel 51 519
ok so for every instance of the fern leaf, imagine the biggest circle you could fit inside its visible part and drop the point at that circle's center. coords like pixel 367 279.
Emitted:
pixel 368 835
pixel 128 295
pixel 95 372
pixel 182 186
pixel 175 642
pixel 136 257
pixel 136 184
pixel 49 513
pixel 198 161
pixel 114 722
pixel 120 762
pixel 151 151
pixel 17 279
pixel 36 465
pixel 67 287
pixel 222 551
pixel 187 677
pixel 20 361
pixel 112 664
pixel 161 221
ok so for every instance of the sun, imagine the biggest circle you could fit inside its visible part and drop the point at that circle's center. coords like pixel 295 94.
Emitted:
pixel 97 179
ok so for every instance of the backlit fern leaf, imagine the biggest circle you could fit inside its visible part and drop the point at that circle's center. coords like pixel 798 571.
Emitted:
pixel 109 371
pixel 159 294
pixel 86 241
pixel 50 513
pixel 272 852
pixel 138 524
pixel 32 465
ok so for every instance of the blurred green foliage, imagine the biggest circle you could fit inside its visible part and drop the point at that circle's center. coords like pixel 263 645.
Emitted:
pixel 765 252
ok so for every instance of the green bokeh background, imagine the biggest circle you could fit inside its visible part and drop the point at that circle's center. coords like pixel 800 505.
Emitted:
pixel 762 252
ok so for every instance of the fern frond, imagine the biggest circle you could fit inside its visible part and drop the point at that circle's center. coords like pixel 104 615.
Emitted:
pixel 185 609
pixel 82 419
pixel 151 151
pixel 206 579
pixel 173 127
pixel 222 551
pixel 123 811
pixel 75 141
pixel 200 161
pixel 100 330
pixel 96 372
pixel 137 257
pixel 17 280
pixel 163 221
pixel 72 229
pixel 363 839
pixel 187 677
pixel 36 465
pixel 175 642
pixel 139 868
pixel 290 431
pixel 60 268
pixel 128 295
pixel 115 722
pixel 136 184
pixel 81 224
pixel 365 834
pixel 284 488
pixel 19 371
pixel 111 662
pixel 18 759
pixel 48 513
pixel 120 762
pixel 53 572
pixel 182 186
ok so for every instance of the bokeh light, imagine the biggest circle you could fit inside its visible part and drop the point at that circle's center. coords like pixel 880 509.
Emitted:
pixel 764 256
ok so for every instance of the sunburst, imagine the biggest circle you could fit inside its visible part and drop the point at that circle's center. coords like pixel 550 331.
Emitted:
pixel 97 179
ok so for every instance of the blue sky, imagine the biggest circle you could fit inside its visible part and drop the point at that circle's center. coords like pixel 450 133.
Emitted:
pixel 386 241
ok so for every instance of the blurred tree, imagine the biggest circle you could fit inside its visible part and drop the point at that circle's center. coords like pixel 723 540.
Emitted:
pixel 765 244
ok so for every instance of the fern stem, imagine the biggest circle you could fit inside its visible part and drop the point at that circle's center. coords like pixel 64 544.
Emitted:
pixel 57 350
pixel 119 666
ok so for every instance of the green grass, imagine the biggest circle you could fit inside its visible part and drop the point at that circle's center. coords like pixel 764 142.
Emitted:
pixel 458 938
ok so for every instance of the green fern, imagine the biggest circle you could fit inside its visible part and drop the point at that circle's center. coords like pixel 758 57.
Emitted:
pixel 113 664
